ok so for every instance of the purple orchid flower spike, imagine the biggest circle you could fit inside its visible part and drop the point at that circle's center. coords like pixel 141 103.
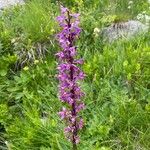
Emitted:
pixel 69 74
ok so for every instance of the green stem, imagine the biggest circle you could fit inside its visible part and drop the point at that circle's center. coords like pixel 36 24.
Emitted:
pixel 74 146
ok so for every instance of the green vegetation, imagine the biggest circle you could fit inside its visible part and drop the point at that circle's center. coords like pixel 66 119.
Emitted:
pixel 117 86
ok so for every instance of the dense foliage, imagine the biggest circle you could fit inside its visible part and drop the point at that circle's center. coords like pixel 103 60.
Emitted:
pixel 117 85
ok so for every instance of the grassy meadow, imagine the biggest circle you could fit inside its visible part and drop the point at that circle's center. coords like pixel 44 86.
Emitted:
pixel 117 83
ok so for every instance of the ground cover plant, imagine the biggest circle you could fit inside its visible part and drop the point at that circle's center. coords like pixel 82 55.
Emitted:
pixel 117 83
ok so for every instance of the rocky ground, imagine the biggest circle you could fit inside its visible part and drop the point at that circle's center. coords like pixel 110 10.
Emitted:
pixel 7 3
pixel 125 30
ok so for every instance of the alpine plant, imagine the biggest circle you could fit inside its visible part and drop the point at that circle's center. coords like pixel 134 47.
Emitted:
pixel 69 74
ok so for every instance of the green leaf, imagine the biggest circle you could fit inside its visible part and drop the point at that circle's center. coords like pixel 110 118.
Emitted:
pixel 3 73
pixel 13 89
pixel 58 144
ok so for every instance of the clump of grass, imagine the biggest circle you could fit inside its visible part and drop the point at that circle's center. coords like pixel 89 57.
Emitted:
pixel 25 29
pixel 35 20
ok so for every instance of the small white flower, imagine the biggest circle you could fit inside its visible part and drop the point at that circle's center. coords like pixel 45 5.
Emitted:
pixel 140 16
pixel 26 68
pixel 96 30
pixel 36 61
pixel 130 2
pixel 144 12
pixel 129 7
pixel 13 40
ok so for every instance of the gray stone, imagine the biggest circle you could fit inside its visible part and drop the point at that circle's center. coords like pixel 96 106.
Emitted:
pixel 123 30
pixel 8 3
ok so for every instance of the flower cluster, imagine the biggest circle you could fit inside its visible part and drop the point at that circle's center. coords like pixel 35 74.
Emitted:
pixel 144 17
pixel 70 74
pixel 130 4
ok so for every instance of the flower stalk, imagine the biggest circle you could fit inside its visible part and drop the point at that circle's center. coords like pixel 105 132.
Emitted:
pixel 69 74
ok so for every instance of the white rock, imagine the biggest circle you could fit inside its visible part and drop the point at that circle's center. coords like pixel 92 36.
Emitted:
pixel 125 30
pixel 7 3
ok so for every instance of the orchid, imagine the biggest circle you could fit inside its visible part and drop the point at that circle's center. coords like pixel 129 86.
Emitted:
pixel 69 74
